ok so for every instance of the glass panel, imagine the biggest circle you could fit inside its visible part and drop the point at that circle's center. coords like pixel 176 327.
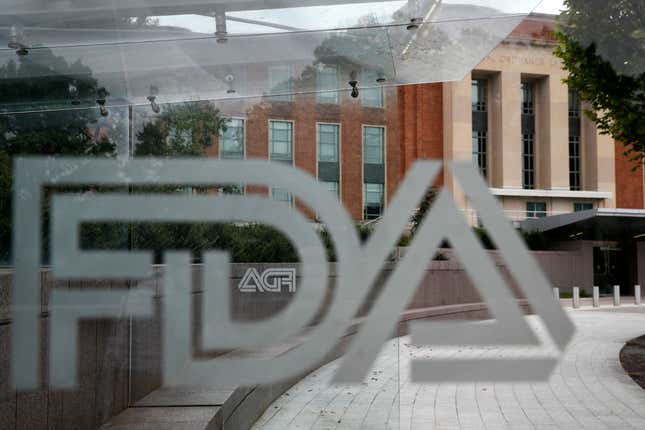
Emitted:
pixel 327 80
pixel 578 207
pixel 479 148
pixel 528 98
pixel 280 195
pixel 280 82
pixel 372 97
pixel 332 187
pixel 479 95
pixel 219 55
pixel 232 139
pixel 528 161
pixel 328 135
pixel 373 200
pixel 574 104
pixel 281 140
pixel 535 209
pixel 373 144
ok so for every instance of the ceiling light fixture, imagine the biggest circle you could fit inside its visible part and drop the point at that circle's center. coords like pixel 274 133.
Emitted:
pixel 101 98
pixel 354 84
pixel 152 99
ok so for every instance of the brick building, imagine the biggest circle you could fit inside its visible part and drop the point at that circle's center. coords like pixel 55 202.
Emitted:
pixel 349 144
pixel 512 116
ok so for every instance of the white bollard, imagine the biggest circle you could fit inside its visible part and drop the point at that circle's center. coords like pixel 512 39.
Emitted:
pixel 576 297
pixel 556 293
pixel 596 297
pixel 637 295
pixel 616 295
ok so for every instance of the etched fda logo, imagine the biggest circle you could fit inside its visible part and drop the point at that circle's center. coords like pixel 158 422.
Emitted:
pixel 357 268
pixel 271 281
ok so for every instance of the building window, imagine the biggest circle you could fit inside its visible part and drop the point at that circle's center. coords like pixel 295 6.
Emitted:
pixel 280 83
pixel 528 99
pixel 574 163
pixel 237 189
pixel 535 209
pixel 327 84
pixel 281 195
pixel 232 140
pixel 280 140
pixel 574 104
pixel 579 207
pixel 371 97
pixel 373 145
pixel 528 161
pixel 372 201
pixel 479 95
pixel 480 140
pixel 331 186
pixel 328 136
pixel 480 125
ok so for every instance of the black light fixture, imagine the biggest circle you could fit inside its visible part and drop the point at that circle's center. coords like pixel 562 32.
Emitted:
pixel 220 27
pixel 380 78
pixel 72 89
pixel 230 79
pixel 101 98
pixel 17 40
pixel 152 98
pixel 414 24
pixel 354 84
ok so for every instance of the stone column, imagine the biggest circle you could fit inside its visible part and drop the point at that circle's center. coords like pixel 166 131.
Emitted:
pixel 553 134
pixel 458 120
pixel 506 120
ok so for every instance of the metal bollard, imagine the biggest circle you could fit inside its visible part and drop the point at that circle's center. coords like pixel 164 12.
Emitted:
pixel 616 295
pixel 637 295
pixel 556 293
pixel 596 297
pixel 576 297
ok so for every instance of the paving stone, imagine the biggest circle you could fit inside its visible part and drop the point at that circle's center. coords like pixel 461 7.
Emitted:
pixel 588 390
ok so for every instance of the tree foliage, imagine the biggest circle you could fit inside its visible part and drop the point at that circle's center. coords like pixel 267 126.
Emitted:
pixel 184 129
pixel 602 47
pixel 36 118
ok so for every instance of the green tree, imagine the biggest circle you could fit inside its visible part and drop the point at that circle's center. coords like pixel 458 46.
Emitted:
pixel 602 46
pixel 180 130
pixel 36 117
pixel 184 129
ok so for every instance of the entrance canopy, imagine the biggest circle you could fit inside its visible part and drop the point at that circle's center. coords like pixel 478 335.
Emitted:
pixel 595 224
pixel 177 50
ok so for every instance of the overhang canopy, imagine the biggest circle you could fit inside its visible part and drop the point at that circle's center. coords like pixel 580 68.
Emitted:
pixel 182 50
pixel 594 224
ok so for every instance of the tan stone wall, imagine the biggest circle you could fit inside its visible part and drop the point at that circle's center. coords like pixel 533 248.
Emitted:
pixel 505 68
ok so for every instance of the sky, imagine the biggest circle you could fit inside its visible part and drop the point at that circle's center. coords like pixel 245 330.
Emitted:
pixel 329 17
pixel 550 6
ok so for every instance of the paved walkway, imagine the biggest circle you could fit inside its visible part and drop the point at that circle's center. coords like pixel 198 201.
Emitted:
pixel 588 390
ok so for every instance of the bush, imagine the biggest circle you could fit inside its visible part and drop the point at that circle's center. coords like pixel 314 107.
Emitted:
pixel 535 240
pixel 483 237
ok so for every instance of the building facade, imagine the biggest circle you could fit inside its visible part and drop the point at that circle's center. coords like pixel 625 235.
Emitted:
pixel 349 144
pixel 525 131
pixel 512 117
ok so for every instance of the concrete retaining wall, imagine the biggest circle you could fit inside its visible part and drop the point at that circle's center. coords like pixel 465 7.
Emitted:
pixel 120 360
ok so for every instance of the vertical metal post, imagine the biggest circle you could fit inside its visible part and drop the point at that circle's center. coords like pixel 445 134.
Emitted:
pixel 576 297
pixel 596 297
pixel 616 295
pixel 637 295
pixel 556 293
